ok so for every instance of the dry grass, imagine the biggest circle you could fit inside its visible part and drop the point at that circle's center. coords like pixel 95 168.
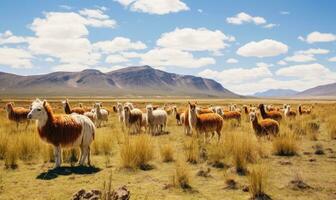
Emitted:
pixel 286 144
pixel 181 177
pixel 258 181
pixel 192 150
pixel 137 151
pixel 167 152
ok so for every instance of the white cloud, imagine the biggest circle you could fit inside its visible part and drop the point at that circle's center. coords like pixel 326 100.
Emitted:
pixel 164 57
pixel 189 39
pixel 318 37
pixel 49 59
pixel 313 51
pixel 308 72
pixel 237 75
pixel 301 58
pixel 262 64
pixel 63 35
pixel 281 62
pixel 8 38
pixel 66 7
pixel 231 61
pixel 200 10
pixel 15 58
pixel 115 59
pixel 242 18
pixel 93 13
pixel 333 59
pixel 118 44
pixel 269 26
pixel 263 48
pixel 159 7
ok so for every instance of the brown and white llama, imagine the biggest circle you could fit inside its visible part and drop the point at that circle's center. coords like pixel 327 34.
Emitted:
pixel 177 113
pixel 204 123
pixel 264 126
pixel 276 115
pixel 132 119
pixel 69 110
pixel 17 114
pixel 72 130
pixel 288 112
pixel 303 111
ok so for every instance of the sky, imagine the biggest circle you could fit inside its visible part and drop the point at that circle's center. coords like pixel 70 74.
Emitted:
pixel 247 46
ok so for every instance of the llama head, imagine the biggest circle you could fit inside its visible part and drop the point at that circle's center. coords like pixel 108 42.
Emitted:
pixel 97 105
pixel 127 109
pixel 38 110
pixel 252 116
pixel 261 106
pixel 149 108
pixel 192 107
pixel 9 107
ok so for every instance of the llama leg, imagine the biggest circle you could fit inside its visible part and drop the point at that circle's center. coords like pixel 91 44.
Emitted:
pixel 89 156
pixel 58 156
pixel 81 159
pixel 17 125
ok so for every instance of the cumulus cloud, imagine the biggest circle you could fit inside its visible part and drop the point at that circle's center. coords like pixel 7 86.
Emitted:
pixel 200 39
pixel 262 64
pixel 333 59
pixel 8 38
pixel 159 7
pixel 308 72
pixel 115 59
pixel 15 58
pixel 164 57
pixel 318 37
pixel 281 62
pixel 242 18
pixel 231 61
pixel 118 44
pixel 301 58
pixel 63 35
pixel 49 60
pixel 263 48
pixel 313 51
pixel 269 26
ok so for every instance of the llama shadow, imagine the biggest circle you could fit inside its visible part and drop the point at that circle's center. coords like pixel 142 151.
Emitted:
pixel 66 171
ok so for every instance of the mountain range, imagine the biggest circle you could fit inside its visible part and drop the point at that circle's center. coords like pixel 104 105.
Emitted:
pixel 127 82
pixel 276 93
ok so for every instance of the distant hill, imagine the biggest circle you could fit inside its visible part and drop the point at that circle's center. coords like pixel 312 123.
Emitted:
pixel 276 93
pixel 322 90
pixel 130 81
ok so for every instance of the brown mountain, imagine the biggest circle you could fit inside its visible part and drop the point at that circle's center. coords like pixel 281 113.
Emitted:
pixel 130 81
pixel 322 90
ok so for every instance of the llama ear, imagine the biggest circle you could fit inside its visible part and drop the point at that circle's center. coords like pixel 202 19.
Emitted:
pixel 44 102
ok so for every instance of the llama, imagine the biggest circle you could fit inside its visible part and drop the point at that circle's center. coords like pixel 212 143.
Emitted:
pixel 228 115
pixel 156 120
pixel 91 115
pixel 120 111
pixel 17 114
pixel 86 109
pixel 72 130
pixel 133 119
pixel 265 126
pixel 289 113
pixel 68 110
pixel 204 123
pixel 102 114
pixel 304 111
pixel 272 114
pixel 177 115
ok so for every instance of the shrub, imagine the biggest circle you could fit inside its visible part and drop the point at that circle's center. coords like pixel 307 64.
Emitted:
pixel 11 157
pixel 192 150
pixel 167 152
pixel 258 180
pixel 181 177
pixel 137 151
pixel 285 144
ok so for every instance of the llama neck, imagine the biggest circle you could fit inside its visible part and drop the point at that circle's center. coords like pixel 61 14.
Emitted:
pixel 67 108
pixel 300 110
pixel 263 112
pixel 192 118
pixel 245 109
pixel 255 123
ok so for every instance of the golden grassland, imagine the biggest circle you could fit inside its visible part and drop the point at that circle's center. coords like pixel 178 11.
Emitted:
pixel 175 166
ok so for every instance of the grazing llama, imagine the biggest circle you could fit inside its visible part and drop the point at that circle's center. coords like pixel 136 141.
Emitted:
pixel 303 111
pixel 17 114
pixel 265 126
pixel 156 120
pixel 69 110
pixel 133 119
pixel 178 115
pixel 102 114
pixel 272 114
pixel 289 113
pixel 204 123
pixel 63 130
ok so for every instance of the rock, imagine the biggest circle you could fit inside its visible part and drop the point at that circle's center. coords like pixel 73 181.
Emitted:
pixel 121 193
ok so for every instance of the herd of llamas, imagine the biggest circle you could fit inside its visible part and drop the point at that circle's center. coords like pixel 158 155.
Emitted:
pixel 77 127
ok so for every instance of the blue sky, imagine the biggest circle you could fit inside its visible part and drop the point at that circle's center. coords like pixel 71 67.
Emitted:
pixel 248 46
